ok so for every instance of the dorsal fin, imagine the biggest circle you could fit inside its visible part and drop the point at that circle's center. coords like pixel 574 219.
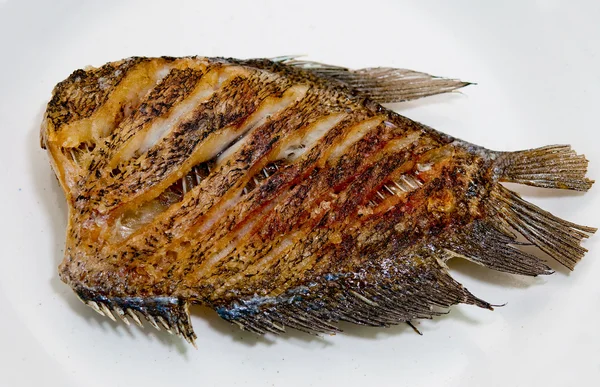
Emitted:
pixel 381 84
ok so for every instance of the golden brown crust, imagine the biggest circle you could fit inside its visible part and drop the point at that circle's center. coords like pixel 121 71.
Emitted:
pixel 84 91
pixel 246 185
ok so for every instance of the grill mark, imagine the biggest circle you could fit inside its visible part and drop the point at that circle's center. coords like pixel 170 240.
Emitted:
pixel 193 141
pixel 332 248
pixel 179 82
pixel 297 145
pixel 258 119
pixel 319 238
pixel 357 133
pixel 408 223
pixel 297 201
pixel 162 126
pixel 307 194
pixel 132 220
pixel 365 185
pixel 118 105
pixel 273 190
pixel 162 101
pixel 330 214
pixel 327 122
pixel 267 129
pixel 409 178
pixel 84 91
pixel 293 118
pixel 134 81
pixel 201 198
pixel 295 172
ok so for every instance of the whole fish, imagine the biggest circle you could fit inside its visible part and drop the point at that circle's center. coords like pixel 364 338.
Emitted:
pixel 281 193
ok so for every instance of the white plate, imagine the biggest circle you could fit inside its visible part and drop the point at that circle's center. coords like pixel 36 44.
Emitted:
pixel 536 64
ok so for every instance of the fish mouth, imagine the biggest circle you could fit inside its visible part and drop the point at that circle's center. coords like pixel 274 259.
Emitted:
pixel 162 312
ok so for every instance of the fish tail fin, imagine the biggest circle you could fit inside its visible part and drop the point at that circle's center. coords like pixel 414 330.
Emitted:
pixel 554 166
pixel 556 237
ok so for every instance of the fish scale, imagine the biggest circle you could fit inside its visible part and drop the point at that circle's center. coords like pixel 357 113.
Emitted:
pixel 281 193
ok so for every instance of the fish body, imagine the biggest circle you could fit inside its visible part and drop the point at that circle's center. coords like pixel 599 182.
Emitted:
pixel 281 193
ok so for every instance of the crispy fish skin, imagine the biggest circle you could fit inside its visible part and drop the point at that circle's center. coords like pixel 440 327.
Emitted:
pixel 282 194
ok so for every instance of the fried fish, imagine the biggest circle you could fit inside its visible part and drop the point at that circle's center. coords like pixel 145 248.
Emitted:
pixel 281 193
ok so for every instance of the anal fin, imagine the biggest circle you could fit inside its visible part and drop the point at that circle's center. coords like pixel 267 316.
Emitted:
pixel 418 286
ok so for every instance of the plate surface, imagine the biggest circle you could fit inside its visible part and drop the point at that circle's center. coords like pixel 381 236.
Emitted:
pixel 536 64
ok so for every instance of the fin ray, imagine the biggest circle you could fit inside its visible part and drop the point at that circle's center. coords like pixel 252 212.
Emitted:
pixel 556 237
pixel 492 247
pixel 411 293
pixel 382 84
pixel 553 166
pixel 172 313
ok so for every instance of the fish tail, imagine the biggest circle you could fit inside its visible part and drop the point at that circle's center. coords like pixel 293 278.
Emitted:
pixel 553 166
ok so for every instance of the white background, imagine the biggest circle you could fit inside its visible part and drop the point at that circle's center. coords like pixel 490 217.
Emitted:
pixel 537 65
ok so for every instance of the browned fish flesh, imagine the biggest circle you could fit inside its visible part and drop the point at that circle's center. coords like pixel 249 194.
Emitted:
pixel 281 193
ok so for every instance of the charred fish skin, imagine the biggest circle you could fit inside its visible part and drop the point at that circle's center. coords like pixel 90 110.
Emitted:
pixel 282 193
